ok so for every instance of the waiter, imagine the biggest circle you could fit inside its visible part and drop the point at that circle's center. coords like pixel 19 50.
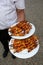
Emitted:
pixel 11 11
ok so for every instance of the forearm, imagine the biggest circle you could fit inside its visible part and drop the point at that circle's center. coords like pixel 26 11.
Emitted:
pixel 20 15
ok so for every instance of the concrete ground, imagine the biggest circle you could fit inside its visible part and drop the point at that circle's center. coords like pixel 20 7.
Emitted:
pixel 34 14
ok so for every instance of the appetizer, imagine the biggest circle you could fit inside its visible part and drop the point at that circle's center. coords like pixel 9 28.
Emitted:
pixel 29 43
pixel 20 29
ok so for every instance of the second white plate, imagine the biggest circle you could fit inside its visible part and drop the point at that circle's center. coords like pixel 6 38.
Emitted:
pixel 23 54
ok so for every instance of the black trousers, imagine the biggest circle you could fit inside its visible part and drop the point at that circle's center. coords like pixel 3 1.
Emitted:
pixel 4 38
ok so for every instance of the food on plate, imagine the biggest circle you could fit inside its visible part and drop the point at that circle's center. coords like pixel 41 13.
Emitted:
pixel 20 29
pixel 29 43
pixel 25 25
pixel 16 31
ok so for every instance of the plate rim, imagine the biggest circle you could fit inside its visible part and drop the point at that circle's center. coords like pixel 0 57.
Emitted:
pixel 28 52
pixel 25 36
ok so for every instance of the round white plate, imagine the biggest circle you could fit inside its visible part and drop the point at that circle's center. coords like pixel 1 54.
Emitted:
pixel 23 54
pixel 26 35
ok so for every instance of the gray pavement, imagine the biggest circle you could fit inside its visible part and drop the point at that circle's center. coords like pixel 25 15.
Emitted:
pixel 34 14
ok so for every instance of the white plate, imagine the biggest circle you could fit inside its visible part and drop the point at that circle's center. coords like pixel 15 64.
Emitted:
pixel 24 54
pixel 26 35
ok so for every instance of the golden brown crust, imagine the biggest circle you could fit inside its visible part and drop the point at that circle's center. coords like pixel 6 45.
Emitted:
pixel 29 43
pixel 20 29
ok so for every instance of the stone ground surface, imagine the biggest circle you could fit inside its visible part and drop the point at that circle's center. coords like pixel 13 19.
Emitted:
pixel 34 14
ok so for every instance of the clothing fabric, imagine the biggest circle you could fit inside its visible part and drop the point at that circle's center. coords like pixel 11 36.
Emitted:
pixel 4 38
pixel 8 15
